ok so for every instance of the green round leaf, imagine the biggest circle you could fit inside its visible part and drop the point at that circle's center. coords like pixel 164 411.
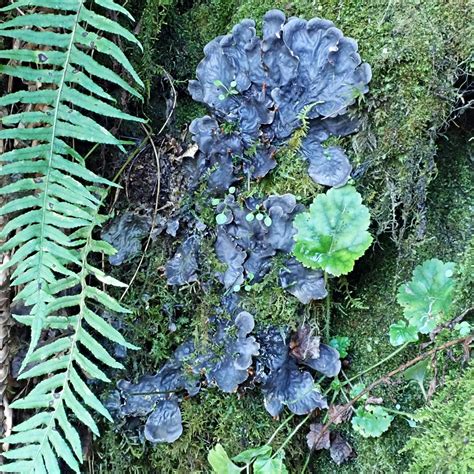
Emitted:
pixel 427 297
pixel 333 234
pixel 464 328
pixel 220 461
pixel 372 421
pixel 249 217
pixel 267 221
pixel 221 218
pixel 259 216
pixel 401 332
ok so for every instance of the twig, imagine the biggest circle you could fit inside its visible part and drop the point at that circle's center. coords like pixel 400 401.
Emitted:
pixel 158 173
pixel 155 211
pixel 384 378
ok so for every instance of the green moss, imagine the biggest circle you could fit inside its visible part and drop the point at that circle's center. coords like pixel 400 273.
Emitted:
pixel 413 52
pixel 237 422
pixel 443 442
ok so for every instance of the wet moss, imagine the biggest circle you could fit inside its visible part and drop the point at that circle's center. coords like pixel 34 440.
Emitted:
pixel 414 52
pixel 421 202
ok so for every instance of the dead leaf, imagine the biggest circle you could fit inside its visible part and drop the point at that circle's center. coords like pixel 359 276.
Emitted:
pixel 374 401
pixel 339 414
pixel 341 451
pixel 304 345
pixel 315 439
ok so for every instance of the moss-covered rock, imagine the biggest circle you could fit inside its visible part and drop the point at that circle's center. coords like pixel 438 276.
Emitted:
pixel 414 52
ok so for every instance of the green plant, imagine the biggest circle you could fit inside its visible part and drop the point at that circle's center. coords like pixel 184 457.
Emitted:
pixel 59 201
pixel 371 421
pixel 426 301
pixel 262 460
pixel 333 234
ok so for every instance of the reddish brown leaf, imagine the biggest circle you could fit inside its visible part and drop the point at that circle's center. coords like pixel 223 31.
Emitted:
pixel 303 344
pixel 339 413
pixel 316 439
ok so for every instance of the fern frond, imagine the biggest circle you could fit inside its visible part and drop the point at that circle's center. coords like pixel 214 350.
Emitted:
pixel 54 209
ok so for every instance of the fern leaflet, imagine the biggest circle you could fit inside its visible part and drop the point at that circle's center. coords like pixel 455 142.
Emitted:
pixel 53 213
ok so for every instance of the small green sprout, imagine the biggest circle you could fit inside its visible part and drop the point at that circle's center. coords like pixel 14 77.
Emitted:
pixel 221 218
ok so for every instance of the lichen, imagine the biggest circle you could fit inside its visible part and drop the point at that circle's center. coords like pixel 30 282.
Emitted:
pixel 414 52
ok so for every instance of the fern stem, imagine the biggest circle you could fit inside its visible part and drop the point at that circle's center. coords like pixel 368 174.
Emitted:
pixel 291 435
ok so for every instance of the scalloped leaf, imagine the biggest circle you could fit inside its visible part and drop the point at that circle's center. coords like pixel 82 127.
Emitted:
pixel 426 299
pixel 371 421
pixel 333 234
pixel 401 332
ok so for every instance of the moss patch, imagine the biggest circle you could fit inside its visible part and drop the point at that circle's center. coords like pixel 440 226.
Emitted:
pixel 413 51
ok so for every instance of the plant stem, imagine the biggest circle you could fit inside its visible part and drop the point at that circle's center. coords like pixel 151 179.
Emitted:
pixel 306 462
pixel 327 317
pixel 398 412
pixel 423 391
pixel 290 436
pixel 279 429
pixel 334 395
pixel 379 363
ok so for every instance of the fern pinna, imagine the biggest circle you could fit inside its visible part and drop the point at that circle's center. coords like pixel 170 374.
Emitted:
pixel 53 210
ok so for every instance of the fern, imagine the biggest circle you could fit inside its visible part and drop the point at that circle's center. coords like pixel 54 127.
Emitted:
pixel 55 207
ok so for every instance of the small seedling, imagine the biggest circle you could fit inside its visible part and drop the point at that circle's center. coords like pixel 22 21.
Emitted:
pixel 229 91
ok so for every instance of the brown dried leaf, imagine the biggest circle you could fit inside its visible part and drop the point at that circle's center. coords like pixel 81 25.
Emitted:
pixel 374 401
pixel 315 439
pixel 341 451
pixel 303 344
pixel 339 414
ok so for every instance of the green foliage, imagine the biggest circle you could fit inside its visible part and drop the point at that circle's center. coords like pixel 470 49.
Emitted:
pixel 426 301
pixel 59 200
pixel 341 344
pixel 417 373
pixel 401 333
pixel 261 460
pixel 464 328
pixel 371 421
pixel 333 234
pixel 427 298
pixel 443 441
pixel 220 461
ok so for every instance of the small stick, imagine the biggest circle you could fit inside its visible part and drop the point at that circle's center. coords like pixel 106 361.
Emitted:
pixel 401 368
